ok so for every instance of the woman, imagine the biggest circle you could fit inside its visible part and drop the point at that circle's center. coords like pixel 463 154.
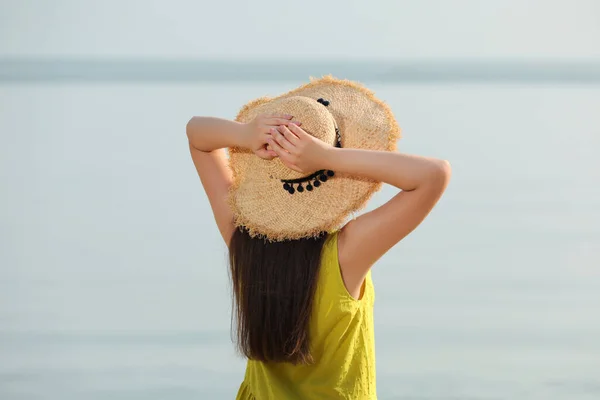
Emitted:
pixel 300 165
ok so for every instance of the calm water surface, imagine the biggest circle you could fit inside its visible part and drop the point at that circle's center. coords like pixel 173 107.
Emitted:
pixel 113 282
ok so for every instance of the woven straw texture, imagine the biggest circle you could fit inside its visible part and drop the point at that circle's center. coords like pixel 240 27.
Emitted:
pixel 257 198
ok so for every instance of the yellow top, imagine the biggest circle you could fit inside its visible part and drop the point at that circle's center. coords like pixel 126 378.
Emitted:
pixel 342 345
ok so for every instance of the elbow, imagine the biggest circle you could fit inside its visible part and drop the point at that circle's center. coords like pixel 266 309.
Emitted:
pixel 441 173
pixel 445 169
pixel 191 131
pixel 189 128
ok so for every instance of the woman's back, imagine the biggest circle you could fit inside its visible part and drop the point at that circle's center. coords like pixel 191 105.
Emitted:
pixel 342 345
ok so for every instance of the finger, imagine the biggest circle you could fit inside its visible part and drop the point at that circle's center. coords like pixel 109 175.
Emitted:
pixel 288 134
pixel 281 153
pixel 270 150
pixel 266 154
pixel 263 156
pixel 280 121
pixel 284 116
pixel 281 140
pixel 296 130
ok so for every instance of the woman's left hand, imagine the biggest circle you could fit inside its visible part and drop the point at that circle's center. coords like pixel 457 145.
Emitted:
pixel 297 149
pixel 258 131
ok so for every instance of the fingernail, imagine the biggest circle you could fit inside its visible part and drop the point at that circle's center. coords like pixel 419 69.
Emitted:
pixel 297 122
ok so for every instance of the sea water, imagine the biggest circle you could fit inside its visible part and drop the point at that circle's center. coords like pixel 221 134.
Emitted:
pixel 113 276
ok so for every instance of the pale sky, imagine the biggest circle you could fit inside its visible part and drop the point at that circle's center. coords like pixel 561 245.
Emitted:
pixel 391 29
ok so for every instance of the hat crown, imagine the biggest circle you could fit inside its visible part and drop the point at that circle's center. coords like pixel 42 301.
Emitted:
pixel 328 109
pixel 316 121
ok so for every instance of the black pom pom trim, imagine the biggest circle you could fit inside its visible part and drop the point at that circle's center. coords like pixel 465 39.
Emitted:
pixel 323 101
pixel 308 182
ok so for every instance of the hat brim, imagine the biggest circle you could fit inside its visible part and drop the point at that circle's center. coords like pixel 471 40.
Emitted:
pixel 265 209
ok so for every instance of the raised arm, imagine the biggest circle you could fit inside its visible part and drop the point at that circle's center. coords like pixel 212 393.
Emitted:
pixel 207 138
pixel 365 239
pixel 422 180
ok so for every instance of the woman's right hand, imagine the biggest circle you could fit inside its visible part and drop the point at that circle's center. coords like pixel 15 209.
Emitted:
pixel 297 149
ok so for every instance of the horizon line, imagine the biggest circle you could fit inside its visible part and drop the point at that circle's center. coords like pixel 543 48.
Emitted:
pixel 93 69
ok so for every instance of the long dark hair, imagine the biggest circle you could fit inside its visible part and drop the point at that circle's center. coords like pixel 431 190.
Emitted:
pixel 274 286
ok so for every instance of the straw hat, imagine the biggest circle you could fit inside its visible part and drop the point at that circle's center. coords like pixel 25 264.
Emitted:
pixel 276 203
